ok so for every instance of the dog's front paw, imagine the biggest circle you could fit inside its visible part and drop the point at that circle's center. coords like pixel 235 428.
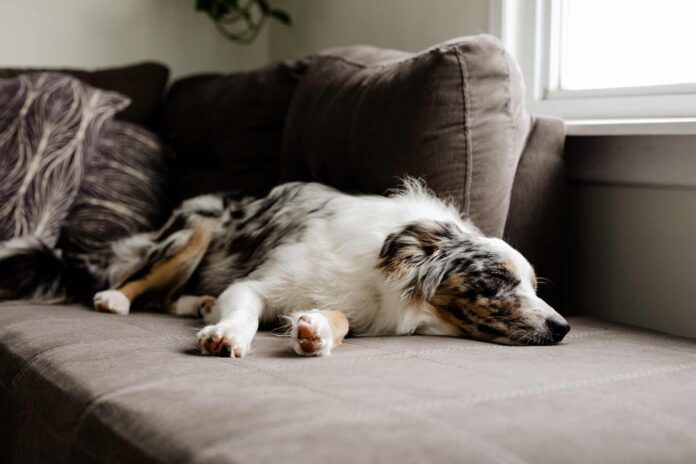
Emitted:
pixel 311 334
pixel 112 301
pixel 221 340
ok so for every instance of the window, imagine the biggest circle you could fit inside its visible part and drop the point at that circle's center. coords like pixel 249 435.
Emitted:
pixel 626 43
pixel 591 59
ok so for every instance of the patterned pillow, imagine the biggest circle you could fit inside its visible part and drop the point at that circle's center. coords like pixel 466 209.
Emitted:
pixel 49 126
pixel 123 191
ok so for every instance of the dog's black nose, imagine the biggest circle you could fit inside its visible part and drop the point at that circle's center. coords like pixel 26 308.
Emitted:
pixel 558 329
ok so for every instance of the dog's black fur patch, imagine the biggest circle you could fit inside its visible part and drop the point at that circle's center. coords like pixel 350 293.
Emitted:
pixel 29 269
pixel 252 228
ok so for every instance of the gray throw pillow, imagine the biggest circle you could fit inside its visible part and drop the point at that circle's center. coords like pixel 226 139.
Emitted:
pixel 49 125
pixel 142 83
pixel 124 190
pixel 454 114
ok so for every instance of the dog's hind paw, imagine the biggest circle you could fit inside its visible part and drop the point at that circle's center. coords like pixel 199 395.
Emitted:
pixel 196 306
pixel 112 301
pixel 311 334
pixel 205 306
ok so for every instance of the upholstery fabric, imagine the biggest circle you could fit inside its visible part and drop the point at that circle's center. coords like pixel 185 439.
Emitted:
pixel 124 190
pixel 86 387
pixel 77 386
pixel 454 114
pixel 537 216
pixel 227 129
pixel 49 125
pixel 142 83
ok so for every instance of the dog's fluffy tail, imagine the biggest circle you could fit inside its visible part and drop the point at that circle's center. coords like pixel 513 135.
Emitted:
pixel 31 270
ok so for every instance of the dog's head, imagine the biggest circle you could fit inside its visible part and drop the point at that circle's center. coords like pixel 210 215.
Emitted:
pixel 477 287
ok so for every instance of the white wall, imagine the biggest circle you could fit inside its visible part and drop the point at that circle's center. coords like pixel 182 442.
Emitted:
pixel 402 24
pixel 101 33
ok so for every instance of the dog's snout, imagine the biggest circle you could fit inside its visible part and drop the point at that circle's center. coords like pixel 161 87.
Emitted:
pixel 558 328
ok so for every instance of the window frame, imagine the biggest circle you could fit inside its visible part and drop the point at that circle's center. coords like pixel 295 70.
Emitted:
pixel 538 54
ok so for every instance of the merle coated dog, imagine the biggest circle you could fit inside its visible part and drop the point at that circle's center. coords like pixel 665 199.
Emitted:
pixel 324 261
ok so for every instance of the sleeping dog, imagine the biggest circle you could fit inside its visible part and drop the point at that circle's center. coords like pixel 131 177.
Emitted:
pixel 329 262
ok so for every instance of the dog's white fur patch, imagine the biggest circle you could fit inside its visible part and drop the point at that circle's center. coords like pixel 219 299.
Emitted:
pixel 112 301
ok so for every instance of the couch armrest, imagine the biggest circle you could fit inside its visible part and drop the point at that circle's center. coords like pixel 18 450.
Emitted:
pixel 535 221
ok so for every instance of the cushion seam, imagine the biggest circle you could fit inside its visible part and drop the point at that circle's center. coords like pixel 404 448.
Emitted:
pixel 344 60
pixel 48 426
pixel 512 135
pixel 39 356
pixel 552 388
pixel 681 426
pixel 473 438
pixel 364 88
pixel 466 125
pixel 29 362
pixel 414 56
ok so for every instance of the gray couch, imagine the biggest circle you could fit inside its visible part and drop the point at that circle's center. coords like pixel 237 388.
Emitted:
pixel 78 386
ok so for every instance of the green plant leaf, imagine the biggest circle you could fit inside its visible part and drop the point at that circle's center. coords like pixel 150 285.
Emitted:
pixel 264 6
pixel 204 5
pixel 225 13
pixel 281 16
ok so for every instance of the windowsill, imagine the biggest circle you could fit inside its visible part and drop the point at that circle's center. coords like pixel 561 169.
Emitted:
pixel 653 126
pixel 647 155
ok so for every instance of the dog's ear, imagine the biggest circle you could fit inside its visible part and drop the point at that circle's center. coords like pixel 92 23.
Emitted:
pixel 416 256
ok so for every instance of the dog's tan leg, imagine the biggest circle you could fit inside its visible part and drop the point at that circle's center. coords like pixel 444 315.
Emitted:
pixel 164 277
pixel 339 324
pixel 317 332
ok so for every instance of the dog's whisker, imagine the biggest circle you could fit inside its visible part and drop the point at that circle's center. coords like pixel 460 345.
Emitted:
pixel 545 281
pixel 284 329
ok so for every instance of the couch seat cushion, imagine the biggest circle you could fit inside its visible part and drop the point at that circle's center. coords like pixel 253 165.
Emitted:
pixel 81 386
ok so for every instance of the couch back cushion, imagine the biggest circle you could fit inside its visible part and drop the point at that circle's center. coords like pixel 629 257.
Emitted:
pixel 362 117
pixel 227 129
pixel 142 83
